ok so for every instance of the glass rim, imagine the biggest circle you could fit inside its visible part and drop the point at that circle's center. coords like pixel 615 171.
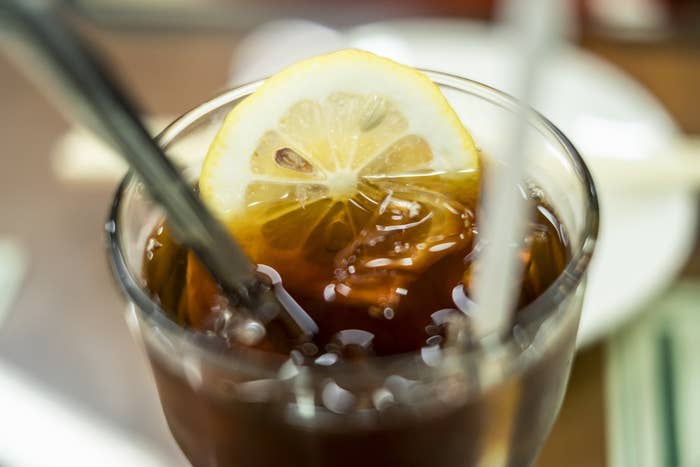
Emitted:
pixel 562 287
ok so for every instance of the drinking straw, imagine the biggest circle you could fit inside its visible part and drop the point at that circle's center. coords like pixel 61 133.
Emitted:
pixel 93 92
pixel 502 222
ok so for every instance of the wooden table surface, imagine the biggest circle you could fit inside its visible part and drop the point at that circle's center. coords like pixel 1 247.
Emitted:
pixel 67 329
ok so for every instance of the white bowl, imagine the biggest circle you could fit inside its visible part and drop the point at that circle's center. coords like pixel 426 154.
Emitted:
pixel 645 237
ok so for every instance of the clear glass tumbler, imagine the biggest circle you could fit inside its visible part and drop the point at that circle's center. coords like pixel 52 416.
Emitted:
pixel 447 408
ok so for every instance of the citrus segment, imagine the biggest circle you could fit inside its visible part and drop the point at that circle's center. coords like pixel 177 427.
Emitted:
pixel 338 164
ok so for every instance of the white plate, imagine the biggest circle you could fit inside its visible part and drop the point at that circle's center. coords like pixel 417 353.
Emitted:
pixel 645 238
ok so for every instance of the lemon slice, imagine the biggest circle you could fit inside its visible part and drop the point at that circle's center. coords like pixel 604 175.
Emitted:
pixel 327 147
pixel 324 123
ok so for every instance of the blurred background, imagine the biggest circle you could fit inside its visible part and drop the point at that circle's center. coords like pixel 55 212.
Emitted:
pixel 75 389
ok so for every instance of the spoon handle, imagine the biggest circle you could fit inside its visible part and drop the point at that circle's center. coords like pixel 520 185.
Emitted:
pixel 38 31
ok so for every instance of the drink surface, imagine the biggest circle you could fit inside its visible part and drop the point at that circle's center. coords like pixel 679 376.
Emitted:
pixel 381 273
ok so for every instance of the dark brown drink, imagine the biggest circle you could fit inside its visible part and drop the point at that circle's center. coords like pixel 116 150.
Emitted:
pixel 391 308
pixel 361 196
pixel 371 321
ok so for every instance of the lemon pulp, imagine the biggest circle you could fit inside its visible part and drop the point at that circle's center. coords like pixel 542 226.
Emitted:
pixel 346 169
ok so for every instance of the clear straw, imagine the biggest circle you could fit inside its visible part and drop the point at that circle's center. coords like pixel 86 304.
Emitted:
pixel 535 25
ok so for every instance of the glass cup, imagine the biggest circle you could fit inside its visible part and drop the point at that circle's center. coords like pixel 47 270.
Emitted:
pixel 449 407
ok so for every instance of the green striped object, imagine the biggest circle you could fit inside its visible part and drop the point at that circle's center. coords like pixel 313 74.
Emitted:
pixel 653 384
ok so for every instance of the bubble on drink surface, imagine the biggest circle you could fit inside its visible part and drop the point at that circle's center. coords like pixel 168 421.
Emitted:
pixel 402 388
pixel 329 292
pixel 354 343
pixel 356 337
pixel 326 359
pixel 444 316
pixel 288 370
pixel 247 331
pixel 382 399
pixel 296 357
pixel 388 312
pixel 432 354
pixel 151 246
pixel 434 340
pixel 461 300
pixel 337 399
pixel 309 349
pixel 448 324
